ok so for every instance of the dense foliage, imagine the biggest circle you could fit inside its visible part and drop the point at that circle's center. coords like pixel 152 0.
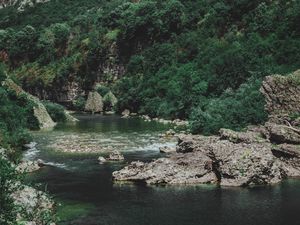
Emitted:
pixel 201 60
pixel 16 116
pixel 8 175
pixel 56 111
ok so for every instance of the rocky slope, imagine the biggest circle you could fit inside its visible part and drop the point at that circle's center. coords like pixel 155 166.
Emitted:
pixel 260 155
pixel 39 109
pixel 33 207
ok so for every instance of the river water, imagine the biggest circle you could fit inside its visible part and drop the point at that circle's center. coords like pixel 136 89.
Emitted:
pixel 88 196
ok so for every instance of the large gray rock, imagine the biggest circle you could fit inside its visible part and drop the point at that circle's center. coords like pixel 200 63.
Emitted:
pixel 241 137
pixel 126 113
pixel 94 102
pixel 190 168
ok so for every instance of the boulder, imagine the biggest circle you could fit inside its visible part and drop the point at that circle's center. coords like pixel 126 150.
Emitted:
pixel 101 160
pixel 240 137
pixel 282 133
pixel 94 103
pixel 290 156
pixel 126 113
pixel 180 168
pixel 167 149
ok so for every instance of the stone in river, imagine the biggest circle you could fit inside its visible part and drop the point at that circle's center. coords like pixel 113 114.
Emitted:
pixel 115 156
pixel 101 159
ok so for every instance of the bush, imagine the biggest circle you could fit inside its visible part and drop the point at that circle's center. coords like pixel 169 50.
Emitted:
pixel 233 110
pixel 102 90
pixel 109 101
pixel 8 176
pixel 56 111
pixel 2 73
pixel 16 114
pixel 79 103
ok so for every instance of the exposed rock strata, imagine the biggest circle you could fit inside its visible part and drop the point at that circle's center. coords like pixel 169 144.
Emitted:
pixel 282 95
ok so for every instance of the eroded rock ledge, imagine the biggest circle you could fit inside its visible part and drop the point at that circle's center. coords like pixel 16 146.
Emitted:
pixel 227 160
pixel 261 155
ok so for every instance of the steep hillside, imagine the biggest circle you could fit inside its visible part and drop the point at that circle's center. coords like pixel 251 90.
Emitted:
pixel 200 60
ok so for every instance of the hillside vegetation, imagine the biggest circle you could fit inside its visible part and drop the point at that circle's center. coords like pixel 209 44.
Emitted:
pixel 201 60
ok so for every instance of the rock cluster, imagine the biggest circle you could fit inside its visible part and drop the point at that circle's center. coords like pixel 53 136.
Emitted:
pixel 34 204
pixel 228 160
pixel 26 166
pixel 126 113
pixel 113 156
pixel 176 122
pixel 261 155
pixel 167 150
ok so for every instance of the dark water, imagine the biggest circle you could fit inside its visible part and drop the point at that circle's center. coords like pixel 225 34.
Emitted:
pixel 89 196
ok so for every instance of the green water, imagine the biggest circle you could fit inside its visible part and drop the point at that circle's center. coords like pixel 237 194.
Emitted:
pixel 88 196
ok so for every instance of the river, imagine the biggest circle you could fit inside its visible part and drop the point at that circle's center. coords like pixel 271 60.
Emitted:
pixel 87 194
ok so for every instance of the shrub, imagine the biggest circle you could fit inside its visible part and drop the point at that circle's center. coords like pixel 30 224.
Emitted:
pixel 16 113
pixel 8 176
pixel 56 111
pixel 79 103
pixel 102 90
pixel 233 110
pixel 109 101
pixel 2 73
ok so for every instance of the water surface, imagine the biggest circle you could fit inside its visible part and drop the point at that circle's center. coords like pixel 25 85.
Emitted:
pixel 90 197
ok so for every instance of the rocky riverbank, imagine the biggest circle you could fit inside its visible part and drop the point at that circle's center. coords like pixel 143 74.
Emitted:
pixel 32 207
pixel 260 155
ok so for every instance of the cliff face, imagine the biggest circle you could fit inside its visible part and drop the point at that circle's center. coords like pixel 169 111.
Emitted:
pixel 282 95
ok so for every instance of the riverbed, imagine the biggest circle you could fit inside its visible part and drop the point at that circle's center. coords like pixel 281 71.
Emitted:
pixel 87 194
